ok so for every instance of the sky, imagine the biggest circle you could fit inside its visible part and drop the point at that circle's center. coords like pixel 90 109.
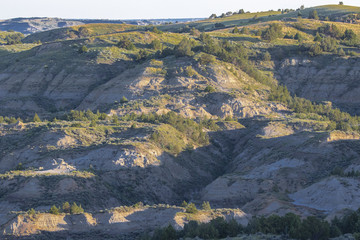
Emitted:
pixel 145 9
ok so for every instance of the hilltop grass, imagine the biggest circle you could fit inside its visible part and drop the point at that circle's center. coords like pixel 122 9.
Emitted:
pixel 33 173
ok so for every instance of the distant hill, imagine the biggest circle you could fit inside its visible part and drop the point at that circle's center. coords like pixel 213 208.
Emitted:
pixel 37 24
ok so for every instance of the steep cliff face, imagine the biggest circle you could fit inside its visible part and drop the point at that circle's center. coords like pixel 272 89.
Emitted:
pixel 324 78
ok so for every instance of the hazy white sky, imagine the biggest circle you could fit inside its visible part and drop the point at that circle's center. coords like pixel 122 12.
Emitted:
pixel 135 9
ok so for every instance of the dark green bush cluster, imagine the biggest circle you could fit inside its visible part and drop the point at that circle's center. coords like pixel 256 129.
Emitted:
pixel 215 229
pixel 126 43
pixel 273 32
pixel 66 208
pixel 349 37
pixel 289 226
pixel 326 44
pixel 331 30
pixel 233 53
pixel 14 38
pixel 184 48
pixel 340 172
pixel 341 120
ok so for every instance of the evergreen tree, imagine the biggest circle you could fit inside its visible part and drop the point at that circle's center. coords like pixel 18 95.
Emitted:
pixel 75 209
pixel 66 207
pixel 36 118
pixel 317 37
pixel 206 206
pixel 123 100
pixel 31 211
pixel 54 210
pixel 191 208
pixel 184 204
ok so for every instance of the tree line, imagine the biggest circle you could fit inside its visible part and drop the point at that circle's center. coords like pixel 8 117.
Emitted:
pixel 289 226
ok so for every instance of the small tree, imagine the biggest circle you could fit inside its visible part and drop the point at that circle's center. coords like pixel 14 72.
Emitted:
pixel 126 44
pixel 298 37
pixel 115 119
pixel 75 209
pixel 241 11
pixel 236 30
pixel 84 32
pixel 66 207
pixel 93 123
pixel 54 210
pixel 156 30
pixel 184 204
pixel 314 15
pixel 36 118
pixel 123 100
pixel 273 32
pixel 341 52
pixel 83 49
pixel 191 208
pixel 213 16
pixel 267 56
pixel 341 3
pixel 209 89
pixel 31 211
pixel 245 30
pixel 206 206
pixel 184 48
pixel 156 44
pixel 206 59
pixel 317 37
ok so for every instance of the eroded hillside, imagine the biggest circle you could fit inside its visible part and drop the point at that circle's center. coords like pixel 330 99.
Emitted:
pixel 109 115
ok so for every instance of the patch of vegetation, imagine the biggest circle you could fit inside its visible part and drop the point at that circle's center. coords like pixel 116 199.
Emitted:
pixel 126 43
pixel 288 226
pixel 273 32
pixel 341 120
pixel 172 136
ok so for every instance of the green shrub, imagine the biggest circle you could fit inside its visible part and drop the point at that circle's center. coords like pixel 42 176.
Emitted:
pixel 184 204
pixel 331 30
pixel 206 59
pixel 83 49
pixel 266 56
pixel 184 48
pixel 209 89
pixel 273 32
pixel 66 207
pixel 156 44
pixel 31 211
pixel 206 206
pixel 190 72
pixel 54 210
pixel 191 208
pixel 75 209
pixel 314 15
pixel 93 123
pixel 156 30
pixel 235 30
pixel 124 100
pixel 126 43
